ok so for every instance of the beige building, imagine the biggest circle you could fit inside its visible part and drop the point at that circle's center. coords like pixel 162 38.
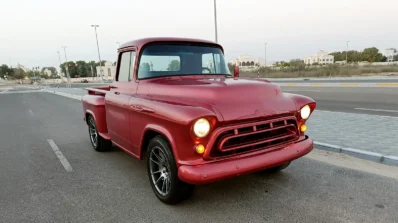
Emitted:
pixel 247 62
pixel 47 72
pixel 20 66
pixel 320 57
pixel 108 70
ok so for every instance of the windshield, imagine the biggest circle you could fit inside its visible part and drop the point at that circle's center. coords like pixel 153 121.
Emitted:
pixel 179 59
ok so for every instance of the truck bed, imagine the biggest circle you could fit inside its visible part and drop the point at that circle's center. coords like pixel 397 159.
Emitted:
pixel 98 90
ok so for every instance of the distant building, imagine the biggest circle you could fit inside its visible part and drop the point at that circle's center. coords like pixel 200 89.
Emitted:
pixel 20 66
pixel 47 72
pixel 109 70
pixel 320 57
pixel 246 62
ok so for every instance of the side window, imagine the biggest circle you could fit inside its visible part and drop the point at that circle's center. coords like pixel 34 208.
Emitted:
pixel 126 67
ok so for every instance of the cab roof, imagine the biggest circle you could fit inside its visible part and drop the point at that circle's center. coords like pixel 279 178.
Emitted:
pixel 141 42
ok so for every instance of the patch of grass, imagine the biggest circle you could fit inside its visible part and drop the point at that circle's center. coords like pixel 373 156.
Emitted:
pixel 323 71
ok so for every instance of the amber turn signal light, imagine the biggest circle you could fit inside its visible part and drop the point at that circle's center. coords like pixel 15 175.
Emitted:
pixel 303 128
pixel 200 149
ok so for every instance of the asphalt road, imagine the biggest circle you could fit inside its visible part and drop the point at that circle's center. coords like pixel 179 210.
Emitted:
pixel 113 187
pixel 363 100
pixel 336 80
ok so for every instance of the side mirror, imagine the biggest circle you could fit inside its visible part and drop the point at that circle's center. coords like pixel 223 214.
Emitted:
pixel 236 71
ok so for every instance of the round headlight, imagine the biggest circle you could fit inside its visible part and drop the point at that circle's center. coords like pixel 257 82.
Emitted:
pixel 201 128
pixel 305 112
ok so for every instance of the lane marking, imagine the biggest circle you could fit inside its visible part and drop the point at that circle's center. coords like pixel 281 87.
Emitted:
pixel 60 156
pixel 31 113
pixel 378 110
pixel 290 84
pixel 388 84
pixel 349 85
pixel 316 84
pixel 304 90
pixel 351 113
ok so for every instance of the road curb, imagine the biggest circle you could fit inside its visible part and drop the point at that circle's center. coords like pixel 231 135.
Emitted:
pixel 72 96
pixel 362 154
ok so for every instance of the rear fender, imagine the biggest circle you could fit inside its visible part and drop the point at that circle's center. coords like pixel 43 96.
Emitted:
pixel 95 106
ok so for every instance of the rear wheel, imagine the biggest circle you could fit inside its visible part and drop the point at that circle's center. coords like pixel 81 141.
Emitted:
pixel 99 144
pixel 163 173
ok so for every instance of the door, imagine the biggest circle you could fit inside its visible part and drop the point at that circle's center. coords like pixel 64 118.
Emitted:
pixel 117 101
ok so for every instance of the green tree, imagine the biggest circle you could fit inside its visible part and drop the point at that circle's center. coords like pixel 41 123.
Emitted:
pixel 52 69
pixel 384 59
pixel 372 55
pixel 71 67
pixel 6 71
pixel 145 67
pixel 92 68
pixel 231 67
pixel 19 73
pixel 297 65
pixel 83 69
pixel 174 65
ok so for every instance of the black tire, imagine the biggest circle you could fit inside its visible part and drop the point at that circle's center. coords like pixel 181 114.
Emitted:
pixel 99 144
pixel 275 169
pixel 163 173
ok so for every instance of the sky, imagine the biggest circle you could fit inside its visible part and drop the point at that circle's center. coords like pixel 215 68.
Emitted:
pixel 32 31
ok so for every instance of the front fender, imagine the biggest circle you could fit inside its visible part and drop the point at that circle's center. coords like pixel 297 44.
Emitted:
pixel 301 100
pixel 159 130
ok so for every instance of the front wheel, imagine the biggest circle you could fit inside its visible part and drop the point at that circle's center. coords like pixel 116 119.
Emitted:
pixel 163 173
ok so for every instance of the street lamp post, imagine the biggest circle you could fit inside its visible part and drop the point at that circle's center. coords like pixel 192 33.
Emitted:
pixel 346 53
pixel 66 66
pixel 60 64
pixel 265 54
pixel 215 19
pixel 99 55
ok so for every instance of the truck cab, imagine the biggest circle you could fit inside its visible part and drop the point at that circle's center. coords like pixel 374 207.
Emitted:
pixel 175 104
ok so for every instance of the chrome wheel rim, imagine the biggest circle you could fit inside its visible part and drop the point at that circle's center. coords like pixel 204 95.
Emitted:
pixel 160 171
pixel 93 132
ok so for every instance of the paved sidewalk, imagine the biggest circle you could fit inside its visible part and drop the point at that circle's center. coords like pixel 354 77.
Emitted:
pixel 360 131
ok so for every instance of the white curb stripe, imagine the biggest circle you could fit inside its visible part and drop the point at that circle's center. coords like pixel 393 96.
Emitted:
pixel 380 110
pixel 362 154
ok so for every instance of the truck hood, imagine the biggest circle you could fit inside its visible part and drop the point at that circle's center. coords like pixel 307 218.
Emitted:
pixel 234 98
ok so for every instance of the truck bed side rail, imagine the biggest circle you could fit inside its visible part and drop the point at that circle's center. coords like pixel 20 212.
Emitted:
pixel 98 91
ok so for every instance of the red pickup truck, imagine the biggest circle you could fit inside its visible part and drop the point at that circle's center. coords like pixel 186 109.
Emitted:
pixel 174 103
